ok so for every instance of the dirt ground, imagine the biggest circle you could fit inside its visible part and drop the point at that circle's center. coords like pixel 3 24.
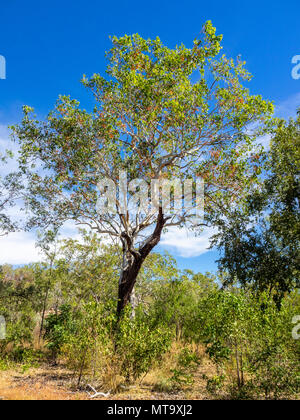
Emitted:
pixel 56 383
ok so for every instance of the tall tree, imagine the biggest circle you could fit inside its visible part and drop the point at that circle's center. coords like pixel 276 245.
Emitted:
pixel 261 242
pixel 160 113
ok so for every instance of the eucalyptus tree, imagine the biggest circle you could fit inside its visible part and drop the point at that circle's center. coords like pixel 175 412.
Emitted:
pixel 160 113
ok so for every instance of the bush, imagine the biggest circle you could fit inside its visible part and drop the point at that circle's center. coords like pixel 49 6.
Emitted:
pixel 57 330
pixel 139 346
pixel 249 339
pixel 187 363
pixel 93 344
pixel 89 341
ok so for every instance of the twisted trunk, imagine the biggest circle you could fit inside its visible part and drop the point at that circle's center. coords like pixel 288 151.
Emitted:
pixel 133 261
pixel 127 282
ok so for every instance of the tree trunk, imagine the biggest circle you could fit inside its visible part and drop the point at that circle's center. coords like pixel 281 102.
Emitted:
pixel 45 302
pixel 126 285
pixel 133 260
pixel 237 366
pixel 43 314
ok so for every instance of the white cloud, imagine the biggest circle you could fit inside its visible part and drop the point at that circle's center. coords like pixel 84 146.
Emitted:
pixel 288 107
pixel 285 109
pixel 4 134
pixel 185 244
pixel 264 141
pixel 18 248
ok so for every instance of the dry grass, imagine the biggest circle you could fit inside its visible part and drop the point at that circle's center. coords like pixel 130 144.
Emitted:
pixel 158 378
pixel 37 384
pixel 58 383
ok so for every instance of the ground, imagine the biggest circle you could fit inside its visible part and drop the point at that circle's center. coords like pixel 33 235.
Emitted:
pixel 57 383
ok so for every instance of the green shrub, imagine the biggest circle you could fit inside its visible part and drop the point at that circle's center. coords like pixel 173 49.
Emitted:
pixel 57 329
pixel 187 363
pixel 139 345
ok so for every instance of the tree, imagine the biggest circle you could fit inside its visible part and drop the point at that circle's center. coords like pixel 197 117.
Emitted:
pixel 87 270
pixel 176 299
pixel 10 188
pixel 261 242
pixel 19 301
pixel 154 121
pixel 48 247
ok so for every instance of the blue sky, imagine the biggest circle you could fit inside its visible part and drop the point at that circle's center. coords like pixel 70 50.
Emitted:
pixel 49 45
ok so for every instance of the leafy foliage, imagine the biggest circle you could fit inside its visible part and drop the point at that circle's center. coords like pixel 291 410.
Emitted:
pixel 261 242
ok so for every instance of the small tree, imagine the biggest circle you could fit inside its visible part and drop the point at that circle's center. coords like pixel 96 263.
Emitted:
pixel 161 113
pixel 87 270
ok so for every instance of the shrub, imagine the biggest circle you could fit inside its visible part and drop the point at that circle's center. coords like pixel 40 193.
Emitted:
pixel 57 329
pixel 139 346
pixel 187 363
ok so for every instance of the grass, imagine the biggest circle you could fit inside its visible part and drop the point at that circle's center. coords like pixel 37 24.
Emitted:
pixel 58 383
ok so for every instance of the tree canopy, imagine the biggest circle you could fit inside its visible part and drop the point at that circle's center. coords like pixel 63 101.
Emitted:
pixel 159 113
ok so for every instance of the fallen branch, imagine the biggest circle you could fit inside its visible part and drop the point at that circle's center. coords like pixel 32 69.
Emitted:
pixel 97 394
